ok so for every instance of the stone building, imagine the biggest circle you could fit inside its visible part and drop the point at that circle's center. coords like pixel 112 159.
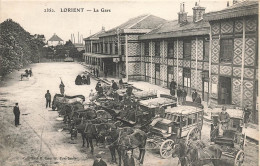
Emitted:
pixel 234 55
pixel 108 49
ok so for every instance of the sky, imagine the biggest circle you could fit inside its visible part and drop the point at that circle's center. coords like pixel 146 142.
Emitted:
pixel 31 16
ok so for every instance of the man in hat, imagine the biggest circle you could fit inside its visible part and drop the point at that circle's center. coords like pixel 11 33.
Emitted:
pixel 48 99
pixel 194 95
pixel 129 160
pixel 62 88
pixel 16 111
pixel 99 161
pixel 179 96
pixel 223 120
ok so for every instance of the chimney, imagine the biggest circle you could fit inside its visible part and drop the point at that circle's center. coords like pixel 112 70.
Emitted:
pixel 198 12
pixel 103 29
pixel 182 15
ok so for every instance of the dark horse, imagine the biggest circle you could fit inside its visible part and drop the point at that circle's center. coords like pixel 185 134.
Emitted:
pixel 56 103
pixel 124 139
pixel 24 75
pixel 196 153
pixel 89 131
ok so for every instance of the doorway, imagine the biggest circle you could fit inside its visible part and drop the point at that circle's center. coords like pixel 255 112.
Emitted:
pixel 224 91
pixel 169 75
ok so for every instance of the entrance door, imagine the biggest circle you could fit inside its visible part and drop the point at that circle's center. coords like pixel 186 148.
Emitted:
pixel 224 91
pixel 169 75
pixel 157 74
pixel 147 72
pixel 186 79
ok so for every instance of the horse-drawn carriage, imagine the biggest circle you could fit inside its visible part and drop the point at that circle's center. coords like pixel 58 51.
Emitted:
pixel 184 121
pixel 232 141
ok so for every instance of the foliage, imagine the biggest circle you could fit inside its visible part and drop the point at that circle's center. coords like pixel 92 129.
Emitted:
pixel 17 47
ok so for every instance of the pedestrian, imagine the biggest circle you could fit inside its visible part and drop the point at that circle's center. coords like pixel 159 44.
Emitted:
pixel 106 71
pixel 97 72
pixel 184 95
pixel 129 159
pixel 172 87
pixel 194 95
pixel 247 113
pixel 99 161
pixel 16 111
pixel 198 99
pixel 114 85
pixel 62 88
pixel 179 96
pixel 30 72
pixel 88 79
pixel 27 71
pixel 97 86
pixel 48 99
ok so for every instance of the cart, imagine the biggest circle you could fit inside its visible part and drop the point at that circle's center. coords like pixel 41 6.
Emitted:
pixel 184 122
pixel 232 142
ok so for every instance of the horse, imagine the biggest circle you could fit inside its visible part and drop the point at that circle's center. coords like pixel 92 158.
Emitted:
pixel 59 99
pixel 126 139
pixel 196 153
pixel 89 130
pixel 24 75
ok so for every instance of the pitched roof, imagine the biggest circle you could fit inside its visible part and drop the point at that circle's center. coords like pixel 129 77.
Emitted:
pixel 240 9
pixel 174 29
pixel 55 38
pixel 142 22
pixel 95 35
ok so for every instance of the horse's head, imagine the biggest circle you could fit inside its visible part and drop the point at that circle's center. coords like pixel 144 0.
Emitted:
pixel 179 149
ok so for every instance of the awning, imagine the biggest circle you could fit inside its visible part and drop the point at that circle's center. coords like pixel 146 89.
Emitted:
pixel 100 55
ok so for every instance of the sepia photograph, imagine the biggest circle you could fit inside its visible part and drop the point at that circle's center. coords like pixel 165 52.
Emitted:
pixel 129 83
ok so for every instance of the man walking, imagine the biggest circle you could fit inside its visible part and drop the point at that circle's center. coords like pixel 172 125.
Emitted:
pixel 184 95
pixel 129 160
pixel 97 72
pixel 179 96
pixel 62 90
pixel 172 87
pixel 16 114
pixel 30 72
pixel 194 95
pixel 48 99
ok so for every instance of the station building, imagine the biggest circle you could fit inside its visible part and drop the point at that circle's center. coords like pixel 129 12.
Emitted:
pixel 215 53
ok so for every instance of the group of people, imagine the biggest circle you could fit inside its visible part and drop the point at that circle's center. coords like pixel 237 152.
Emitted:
pixel 82 80
pixel 29 72
pixel 182 93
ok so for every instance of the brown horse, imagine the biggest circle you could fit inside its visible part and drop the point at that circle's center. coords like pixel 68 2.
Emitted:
pixel 196 153
pixel 126 139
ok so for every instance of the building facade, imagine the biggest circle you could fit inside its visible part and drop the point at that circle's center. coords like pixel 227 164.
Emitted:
pixel 214 53
pixel 234 56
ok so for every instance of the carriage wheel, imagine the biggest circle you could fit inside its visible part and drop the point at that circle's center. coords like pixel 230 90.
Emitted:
pixel 166 148
pixel 193 134
pixel 239 158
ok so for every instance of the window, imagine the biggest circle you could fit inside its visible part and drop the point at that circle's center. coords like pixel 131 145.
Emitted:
pixel 122 49
pixel 170 48
pixel 226 50
pixel 146 48
pixel 186 77
pixel 157 48
pixel 186 49
pixel 190 119
pixel 206 50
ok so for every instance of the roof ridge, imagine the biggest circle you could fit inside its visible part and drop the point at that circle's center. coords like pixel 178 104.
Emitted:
pixel 144 17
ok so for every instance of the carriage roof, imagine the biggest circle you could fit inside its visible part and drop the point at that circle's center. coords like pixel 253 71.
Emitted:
pixel 140 94
pixel 184 110
pixel 157 102
pixel 233 113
